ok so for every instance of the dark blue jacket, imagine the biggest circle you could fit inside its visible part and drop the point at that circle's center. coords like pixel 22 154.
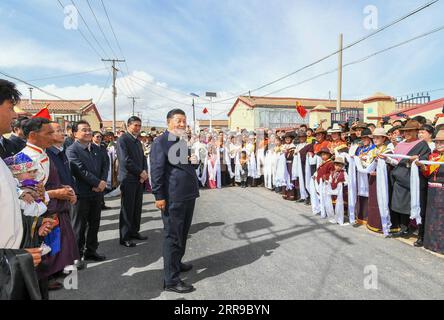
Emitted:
pixel 132 160
pixel 171 179
pixel 61 162
pixel 18 142
pixel 87 167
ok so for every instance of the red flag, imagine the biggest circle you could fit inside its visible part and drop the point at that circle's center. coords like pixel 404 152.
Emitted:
pixel 205 110
pixel 301 110
pixel 43 113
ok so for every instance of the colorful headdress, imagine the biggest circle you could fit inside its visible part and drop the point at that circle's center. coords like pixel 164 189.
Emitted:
pixel 21 163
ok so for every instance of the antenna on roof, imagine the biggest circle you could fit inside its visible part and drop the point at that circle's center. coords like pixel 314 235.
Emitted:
pixel 249 94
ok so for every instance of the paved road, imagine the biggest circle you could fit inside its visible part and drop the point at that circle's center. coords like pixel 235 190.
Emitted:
pixel 251 244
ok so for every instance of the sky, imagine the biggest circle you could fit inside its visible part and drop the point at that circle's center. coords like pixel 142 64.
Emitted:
pixel 174 48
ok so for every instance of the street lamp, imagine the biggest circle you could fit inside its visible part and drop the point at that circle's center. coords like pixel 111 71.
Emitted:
pixel 194 112
pixel 211 95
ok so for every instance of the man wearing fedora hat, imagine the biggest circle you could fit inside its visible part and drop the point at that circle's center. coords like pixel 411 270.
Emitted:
pixel 400 178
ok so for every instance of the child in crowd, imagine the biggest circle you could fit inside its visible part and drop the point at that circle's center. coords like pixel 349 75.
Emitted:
pixel 244 169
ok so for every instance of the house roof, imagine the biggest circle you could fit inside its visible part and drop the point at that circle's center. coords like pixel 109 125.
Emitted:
pixel 418 109
pixel 60 106
pixel 307 103
pixel 214 122
pixel 109 124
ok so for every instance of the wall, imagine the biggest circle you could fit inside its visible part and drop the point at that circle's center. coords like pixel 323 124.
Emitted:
pixel 242 117
pixel 92 119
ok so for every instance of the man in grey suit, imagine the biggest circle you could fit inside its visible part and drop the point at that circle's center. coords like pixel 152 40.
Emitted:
pixel 133 172
pixel 175 187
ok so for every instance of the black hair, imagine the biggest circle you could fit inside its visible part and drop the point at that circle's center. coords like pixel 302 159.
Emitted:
pixel 18 123
pixel 310 129
pixel 420 119
pixel 428 128
pixel 34 125
pixel 371 125
pixel 393 129
pixel 9 92
pixel 75 125
pixel 173 112
pixel 133 119
pixel 97 132
pixel 69 126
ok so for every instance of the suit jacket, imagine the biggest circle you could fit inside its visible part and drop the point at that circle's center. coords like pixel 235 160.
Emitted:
pixel 87 167
pixel 170 180
pixel 8 149
pixel 18 142
pixel 132 161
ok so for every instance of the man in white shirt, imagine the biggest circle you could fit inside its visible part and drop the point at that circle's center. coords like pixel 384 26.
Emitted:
pixel 11 234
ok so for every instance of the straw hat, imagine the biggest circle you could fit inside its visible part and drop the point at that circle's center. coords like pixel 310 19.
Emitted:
pixel 380 132
pixel 335 129
pixel 320 130
pixel 411 125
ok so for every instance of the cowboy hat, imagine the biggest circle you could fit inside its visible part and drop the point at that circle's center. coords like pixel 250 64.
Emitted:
pixel 325 150
pixel 340 160
pixel 359 125
pixel 439 136
pixel 335 129
pixel 411 125
pixel 320 130
pixel 380 132
pixel 366 133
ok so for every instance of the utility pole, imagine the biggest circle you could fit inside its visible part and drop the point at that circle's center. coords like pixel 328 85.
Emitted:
pixel 211 95
pixel 114 88
pixel 30 96
pixel 338 101
pixel 134 102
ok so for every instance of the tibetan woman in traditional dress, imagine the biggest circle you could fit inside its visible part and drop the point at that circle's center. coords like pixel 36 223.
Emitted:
pixel 364 159
pixel 380 139
pixel 434 224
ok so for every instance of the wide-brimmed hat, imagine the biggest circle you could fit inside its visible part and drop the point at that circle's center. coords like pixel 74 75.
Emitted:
pixel 359 125
pixel 324 150
pixel 380 132
pixel 320 130
pixel 366 133
pixel 340 160
pixel 411 125
pixel 335 129
pixel 439 136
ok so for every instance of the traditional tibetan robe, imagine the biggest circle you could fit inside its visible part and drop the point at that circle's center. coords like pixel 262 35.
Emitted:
pixel 289 150
pixel 337 186
pixel 434 224
pixel 365 158
pixel 318 146
pixel 324 170
pixel 400 179
pixel 374 222
pixel 39 155
pixel 338 146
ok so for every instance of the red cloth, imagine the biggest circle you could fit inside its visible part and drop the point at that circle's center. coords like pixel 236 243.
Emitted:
pixel 301 110
pixel 337 178
pixel 318 146
pixel 324 171
pixel 205 110
pixel 44 113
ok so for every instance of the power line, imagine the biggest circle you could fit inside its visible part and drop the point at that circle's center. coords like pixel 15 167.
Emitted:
pixel 100 28
pixel 337 51
pixel 88 28
pixel 68 75
pixel 361 59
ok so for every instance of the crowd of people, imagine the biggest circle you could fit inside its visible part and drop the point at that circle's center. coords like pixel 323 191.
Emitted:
pixel 53 182
pixel 388 177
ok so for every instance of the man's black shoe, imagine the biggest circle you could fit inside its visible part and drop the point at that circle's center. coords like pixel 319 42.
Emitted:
pixel 128 244
pixel 94 257
pixel 80 265
pixel 139 237
pixel 54 285
pixel 185 267
pixel 181 287
pixel 419 243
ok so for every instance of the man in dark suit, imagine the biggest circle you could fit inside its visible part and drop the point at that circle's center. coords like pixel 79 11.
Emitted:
pixel 175 188
pixel 89 169
pixel 133 169
pixel 7 148
pixel 18 137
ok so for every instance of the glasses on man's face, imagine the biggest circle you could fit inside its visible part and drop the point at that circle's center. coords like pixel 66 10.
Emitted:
pixel 439 143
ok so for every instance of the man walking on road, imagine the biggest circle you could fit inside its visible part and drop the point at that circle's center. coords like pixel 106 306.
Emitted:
pixel 133 172
pixel 175 188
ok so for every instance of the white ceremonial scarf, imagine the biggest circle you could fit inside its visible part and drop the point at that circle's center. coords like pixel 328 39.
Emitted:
pixel 227 160
pixel 268 169
pixel 214 172
pixel 11 226
pixel 314 198
pixel 363 176
pixel 352 191
pixel 237 169
pixel 415 207
pixel 338 212
pixel 260 161
pixel 281 171
pixel 383 195
pixel 297 173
